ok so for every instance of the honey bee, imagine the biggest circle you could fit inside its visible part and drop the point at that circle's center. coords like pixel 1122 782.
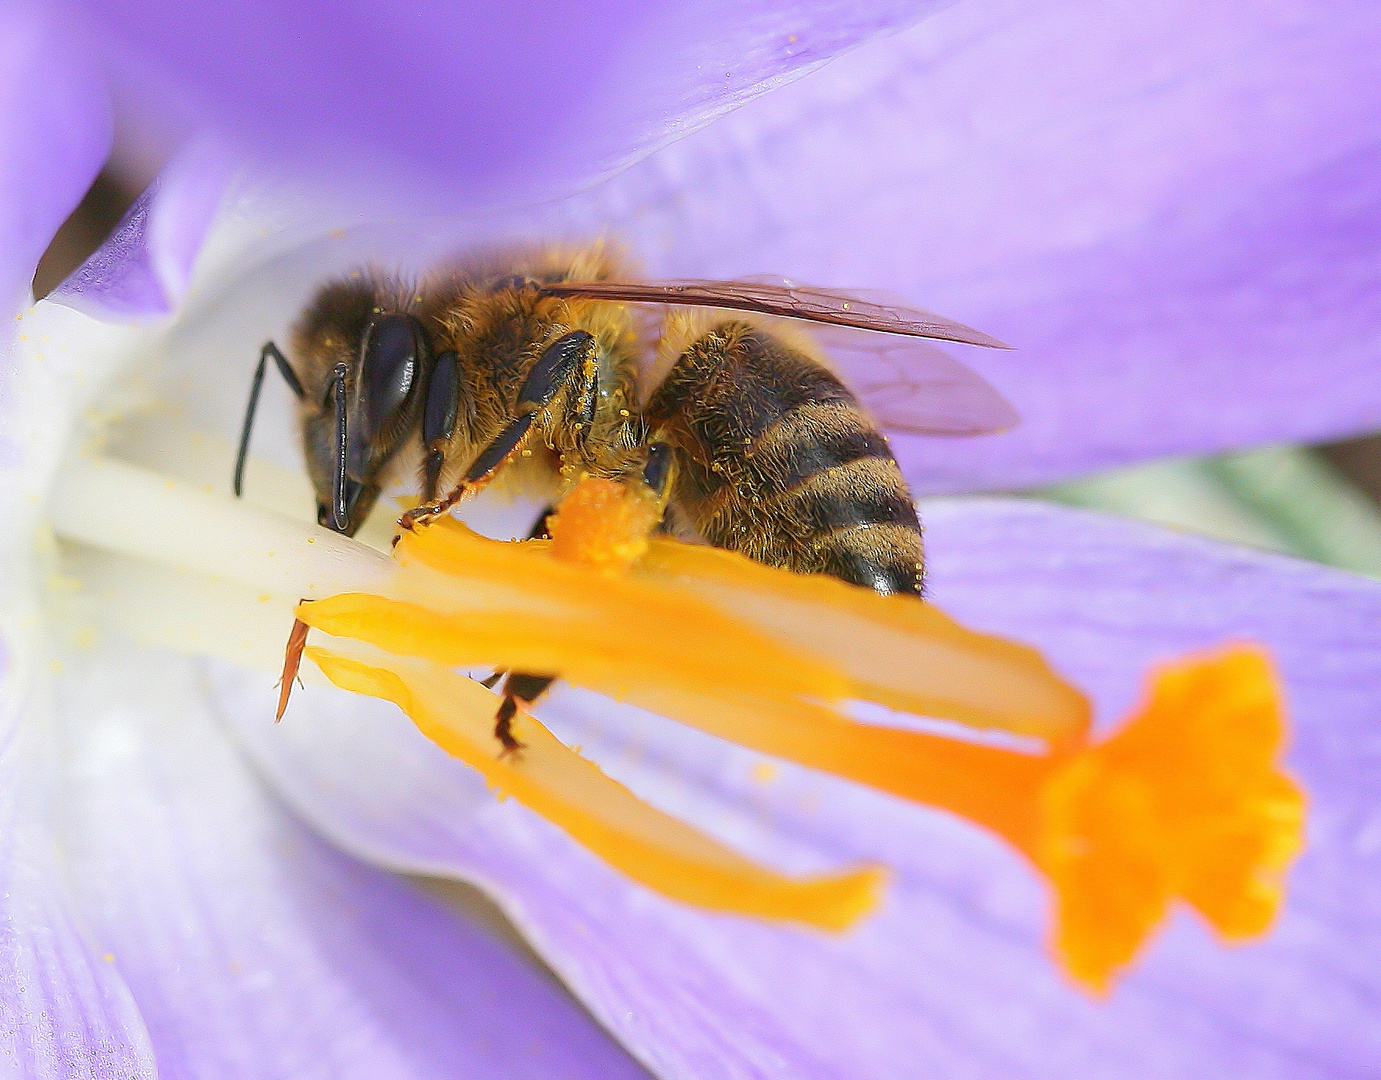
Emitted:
pixel 727 411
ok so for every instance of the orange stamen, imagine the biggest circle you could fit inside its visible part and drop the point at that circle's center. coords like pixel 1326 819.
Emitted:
pixel 649 846
pixel 1185 802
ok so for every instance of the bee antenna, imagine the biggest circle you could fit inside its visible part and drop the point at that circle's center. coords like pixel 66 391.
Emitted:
pixel 336 388
pixel 289 377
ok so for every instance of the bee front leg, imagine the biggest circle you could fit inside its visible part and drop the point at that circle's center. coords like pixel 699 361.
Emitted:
pixel 481 472
pixel 569 362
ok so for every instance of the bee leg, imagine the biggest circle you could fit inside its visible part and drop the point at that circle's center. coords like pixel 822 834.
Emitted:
pixel 440 411
pixel 539 532
pixel 540 529
pixel 658 468
pixel 518 689
pixel 503 728
pixel 527 688
pixel 565 362
pixel 494 455
pixel 657 475
pixel 585 411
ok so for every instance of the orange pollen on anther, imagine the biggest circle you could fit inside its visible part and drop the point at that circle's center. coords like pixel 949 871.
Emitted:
pixel 604 525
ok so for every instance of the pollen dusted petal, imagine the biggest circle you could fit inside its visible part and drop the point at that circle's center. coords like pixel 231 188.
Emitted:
pixel 649 846
pixel 1187 802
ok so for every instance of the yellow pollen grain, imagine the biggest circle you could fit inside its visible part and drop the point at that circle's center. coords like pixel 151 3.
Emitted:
pixel 603 525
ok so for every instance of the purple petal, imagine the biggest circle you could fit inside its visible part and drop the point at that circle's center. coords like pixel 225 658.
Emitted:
pixel 145 266
pixel 55 131
pixel 253 949
pixel 1170 209
pixel 951 978
pixel 64 1011
pixel 471 101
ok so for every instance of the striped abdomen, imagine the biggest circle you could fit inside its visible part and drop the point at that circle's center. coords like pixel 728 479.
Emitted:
pixel 777 460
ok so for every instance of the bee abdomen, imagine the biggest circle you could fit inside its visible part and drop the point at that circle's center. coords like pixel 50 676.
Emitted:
pixel 821 493
pixel 785 467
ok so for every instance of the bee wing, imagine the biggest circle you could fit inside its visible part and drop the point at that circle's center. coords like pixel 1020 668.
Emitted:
pixel 914 386
pixel 786 299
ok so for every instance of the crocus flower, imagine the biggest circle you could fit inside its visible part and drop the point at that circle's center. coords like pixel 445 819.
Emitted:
pixel 1169 210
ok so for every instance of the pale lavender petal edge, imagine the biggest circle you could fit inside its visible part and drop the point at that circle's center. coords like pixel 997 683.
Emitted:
pixel 55 132
pixel 951 976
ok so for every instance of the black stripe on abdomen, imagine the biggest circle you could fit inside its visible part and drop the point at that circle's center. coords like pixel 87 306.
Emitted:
pixel 808 442
pixel 824 509
pixel 884 571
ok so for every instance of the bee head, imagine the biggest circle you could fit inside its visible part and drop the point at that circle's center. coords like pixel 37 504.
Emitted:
pixel 364 357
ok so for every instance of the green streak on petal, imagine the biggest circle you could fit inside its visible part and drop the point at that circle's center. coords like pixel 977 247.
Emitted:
pixel 1280 498
pixel 1324 515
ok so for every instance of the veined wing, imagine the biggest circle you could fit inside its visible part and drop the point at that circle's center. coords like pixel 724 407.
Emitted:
pixel 784 299
pixel 914 386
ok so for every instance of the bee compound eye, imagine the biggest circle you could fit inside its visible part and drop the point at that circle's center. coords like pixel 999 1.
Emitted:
pixel 391 362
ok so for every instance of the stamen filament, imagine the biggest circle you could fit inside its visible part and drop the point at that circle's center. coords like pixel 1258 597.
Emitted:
pixel 169 522
pixel 647 845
